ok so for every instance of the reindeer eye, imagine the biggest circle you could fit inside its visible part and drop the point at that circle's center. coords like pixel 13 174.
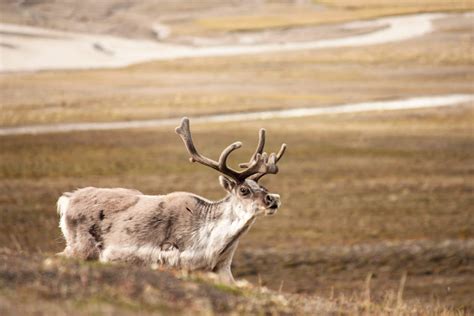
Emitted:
pixel 244 191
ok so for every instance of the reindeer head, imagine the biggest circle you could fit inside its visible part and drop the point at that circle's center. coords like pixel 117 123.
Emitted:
pixel 242 185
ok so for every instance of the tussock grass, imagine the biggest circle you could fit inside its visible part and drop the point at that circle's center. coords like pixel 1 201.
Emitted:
pixel 51 285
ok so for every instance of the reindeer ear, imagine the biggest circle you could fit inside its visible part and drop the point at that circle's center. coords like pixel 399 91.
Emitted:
pixel 226 183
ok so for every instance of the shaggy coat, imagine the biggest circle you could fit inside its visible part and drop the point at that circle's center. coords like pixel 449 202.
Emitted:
pixel 179 229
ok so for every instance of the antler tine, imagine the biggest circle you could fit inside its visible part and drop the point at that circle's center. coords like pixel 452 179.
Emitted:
pixel 185 133
pixel 270 164
pixel 225 153
pixel 281 152
pixel 258 165
pixel 259 150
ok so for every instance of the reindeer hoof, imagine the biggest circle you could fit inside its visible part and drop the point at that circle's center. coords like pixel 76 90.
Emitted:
pixel 243 284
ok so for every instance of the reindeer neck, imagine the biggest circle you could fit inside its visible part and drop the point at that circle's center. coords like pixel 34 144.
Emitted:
pixel 223 223
pixel 229 208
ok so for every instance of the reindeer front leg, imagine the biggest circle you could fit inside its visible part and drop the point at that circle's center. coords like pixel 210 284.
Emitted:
pixel 225 275
pixel 223 267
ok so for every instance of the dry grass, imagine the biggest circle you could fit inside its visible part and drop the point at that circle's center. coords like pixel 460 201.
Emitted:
pixel 368 177
pixel 31 285
pixel 436 64
pixel 333 12
pixel 421 159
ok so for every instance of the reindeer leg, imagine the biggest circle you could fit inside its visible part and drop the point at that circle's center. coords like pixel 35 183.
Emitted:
pixel 225 275
pixel 222 269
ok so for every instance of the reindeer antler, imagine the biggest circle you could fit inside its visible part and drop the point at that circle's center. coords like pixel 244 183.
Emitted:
pixel 269 163
pixel 259 165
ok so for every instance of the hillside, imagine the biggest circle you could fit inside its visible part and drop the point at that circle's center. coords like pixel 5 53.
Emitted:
pixel 46 285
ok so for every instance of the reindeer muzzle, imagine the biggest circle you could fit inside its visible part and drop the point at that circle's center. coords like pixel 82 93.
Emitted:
pixel 272 203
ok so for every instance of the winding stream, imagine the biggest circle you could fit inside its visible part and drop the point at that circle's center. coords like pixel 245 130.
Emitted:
pixel 402 104
pixel 24 48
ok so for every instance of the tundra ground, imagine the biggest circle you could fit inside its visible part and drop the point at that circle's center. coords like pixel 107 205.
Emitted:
pixel 377 207
pixel 397 187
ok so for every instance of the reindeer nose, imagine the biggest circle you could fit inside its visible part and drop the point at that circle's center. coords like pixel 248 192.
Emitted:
pixel 272 200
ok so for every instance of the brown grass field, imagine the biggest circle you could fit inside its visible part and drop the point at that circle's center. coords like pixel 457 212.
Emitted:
pixel 377 207
pixel 386 184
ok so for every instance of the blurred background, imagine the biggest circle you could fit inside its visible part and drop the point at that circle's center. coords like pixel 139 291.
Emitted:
pixel 371 200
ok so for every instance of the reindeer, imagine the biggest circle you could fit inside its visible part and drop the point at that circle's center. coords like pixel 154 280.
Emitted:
pixel 180 230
